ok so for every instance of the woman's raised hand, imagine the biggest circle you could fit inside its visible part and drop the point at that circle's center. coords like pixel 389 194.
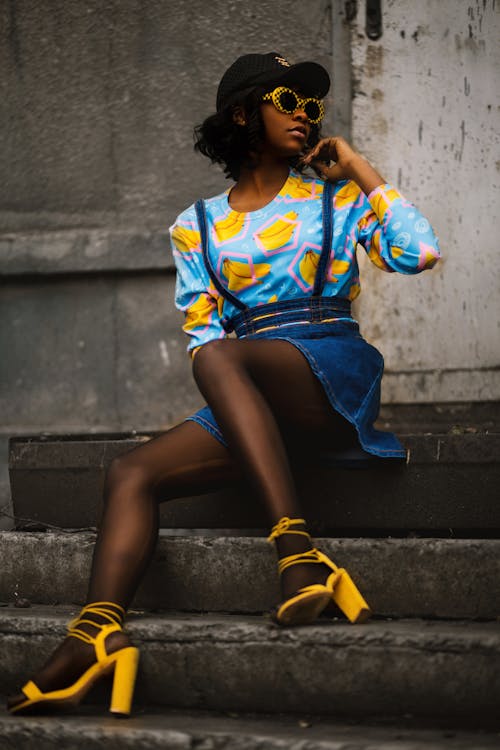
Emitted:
pixel 347 163
pixel 327 150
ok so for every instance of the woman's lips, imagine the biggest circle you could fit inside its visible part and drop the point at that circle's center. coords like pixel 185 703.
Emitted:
pixel 298 133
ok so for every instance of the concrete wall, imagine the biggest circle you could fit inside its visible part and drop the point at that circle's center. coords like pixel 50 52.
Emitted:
pixel 97 107
pixel 99 101
pixel 426 111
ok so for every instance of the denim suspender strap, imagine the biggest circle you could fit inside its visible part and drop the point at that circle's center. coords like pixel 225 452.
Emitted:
pixel 320 278
pixel 202 224
pixel 321 271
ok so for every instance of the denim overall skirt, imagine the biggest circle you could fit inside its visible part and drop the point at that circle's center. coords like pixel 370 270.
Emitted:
pixel 349 369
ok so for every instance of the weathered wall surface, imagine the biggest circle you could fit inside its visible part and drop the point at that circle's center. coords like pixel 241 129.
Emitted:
pixel 97 107
pixel 99 101
pixel 426 111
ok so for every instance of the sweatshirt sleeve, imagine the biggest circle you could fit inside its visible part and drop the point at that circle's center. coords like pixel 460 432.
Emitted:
pixel 394 233
pixel 194 292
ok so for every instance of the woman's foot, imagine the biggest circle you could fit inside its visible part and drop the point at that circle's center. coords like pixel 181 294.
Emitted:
pixel 292 538
pixel 310 580
pixel 300 575
pixel 71 659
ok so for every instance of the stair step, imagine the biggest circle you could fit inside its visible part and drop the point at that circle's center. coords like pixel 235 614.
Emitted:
pixel 241 663
pixel 91 729
pixel 59 480
pixel 439 578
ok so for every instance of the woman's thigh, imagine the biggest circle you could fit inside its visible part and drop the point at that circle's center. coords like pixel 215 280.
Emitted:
pixel 187 460
pixel 294 393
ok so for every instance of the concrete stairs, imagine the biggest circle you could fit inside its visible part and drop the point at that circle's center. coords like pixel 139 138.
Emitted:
pixel 424 578
pixel 216 673
pixel 447 486
pixel 228 662
pixel 431 655
pixel 173 729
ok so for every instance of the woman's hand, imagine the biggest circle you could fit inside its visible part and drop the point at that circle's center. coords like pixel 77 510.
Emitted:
pixel 334 149
pixel 348 164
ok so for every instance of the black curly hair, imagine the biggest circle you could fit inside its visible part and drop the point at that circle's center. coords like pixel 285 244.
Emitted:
pixel 232 145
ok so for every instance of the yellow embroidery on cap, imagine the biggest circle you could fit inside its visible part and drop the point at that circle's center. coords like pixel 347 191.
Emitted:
pixel 282 61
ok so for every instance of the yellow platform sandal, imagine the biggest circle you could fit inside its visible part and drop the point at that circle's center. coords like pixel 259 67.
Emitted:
pixel 121 663
pixel 308 602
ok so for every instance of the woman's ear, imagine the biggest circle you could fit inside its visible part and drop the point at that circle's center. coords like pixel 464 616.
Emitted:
pixel 239 116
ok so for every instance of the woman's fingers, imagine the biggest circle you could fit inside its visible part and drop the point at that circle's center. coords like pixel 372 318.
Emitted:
pixel 331 172
pixel 324 150
pixel 334 148
pixel 333 159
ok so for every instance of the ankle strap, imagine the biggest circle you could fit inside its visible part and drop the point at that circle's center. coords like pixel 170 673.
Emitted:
pixel 311 556
pixel 283 527
pixel 103 609
pixel 106 609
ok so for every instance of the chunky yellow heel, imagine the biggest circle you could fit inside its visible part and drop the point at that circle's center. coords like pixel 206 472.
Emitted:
pixel 308 602
pixel 122 664
pixel 124 681
pixel 345 593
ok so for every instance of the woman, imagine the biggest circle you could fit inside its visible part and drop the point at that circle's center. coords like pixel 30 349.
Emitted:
pixel 272 259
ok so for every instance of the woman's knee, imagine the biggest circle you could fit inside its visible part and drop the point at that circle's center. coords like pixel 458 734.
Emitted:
pixel 126 472
pixel 213 357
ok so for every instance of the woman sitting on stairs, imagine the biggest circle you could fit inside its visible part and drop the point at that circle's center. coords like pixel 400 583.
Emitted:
pixel 274 260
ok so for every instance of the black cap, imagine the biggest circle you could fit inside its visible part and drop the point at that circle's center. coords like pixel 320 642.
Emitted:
pixel 258 70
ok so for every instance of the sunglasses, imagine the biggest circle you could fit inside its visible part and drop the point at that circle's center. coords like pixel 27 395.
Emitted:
pixel 287 101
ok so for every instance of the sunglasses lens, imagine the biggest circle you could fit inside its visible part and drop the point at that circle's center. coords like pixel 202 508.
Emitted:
pixel 288 102
pixel 312 110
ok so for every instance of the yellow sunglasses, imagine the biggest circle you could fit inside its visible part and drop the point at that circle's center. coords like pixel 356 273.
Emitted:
pixel 287 101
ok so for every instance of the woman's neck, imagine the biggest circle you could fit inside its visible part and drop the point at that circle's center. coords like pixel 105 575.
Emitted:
pixel 258 186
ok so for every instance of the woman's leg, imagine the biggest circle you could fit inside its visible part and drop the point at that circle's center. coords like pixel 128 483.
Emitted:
pixel 184 461
pixel 260 390
pixel 254 388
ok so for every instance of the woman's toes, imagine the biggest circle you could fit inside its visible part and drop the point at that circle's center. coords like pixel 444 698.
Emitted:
pixel 14 700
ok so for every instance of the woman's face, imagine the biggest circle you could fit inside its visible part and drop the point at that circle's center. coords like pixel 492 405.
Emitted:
pixel 285 134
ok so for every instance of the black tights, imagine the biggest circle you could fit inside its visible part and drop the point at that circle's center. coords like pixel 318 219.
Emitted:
pixel 269 406
pixel 259 391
